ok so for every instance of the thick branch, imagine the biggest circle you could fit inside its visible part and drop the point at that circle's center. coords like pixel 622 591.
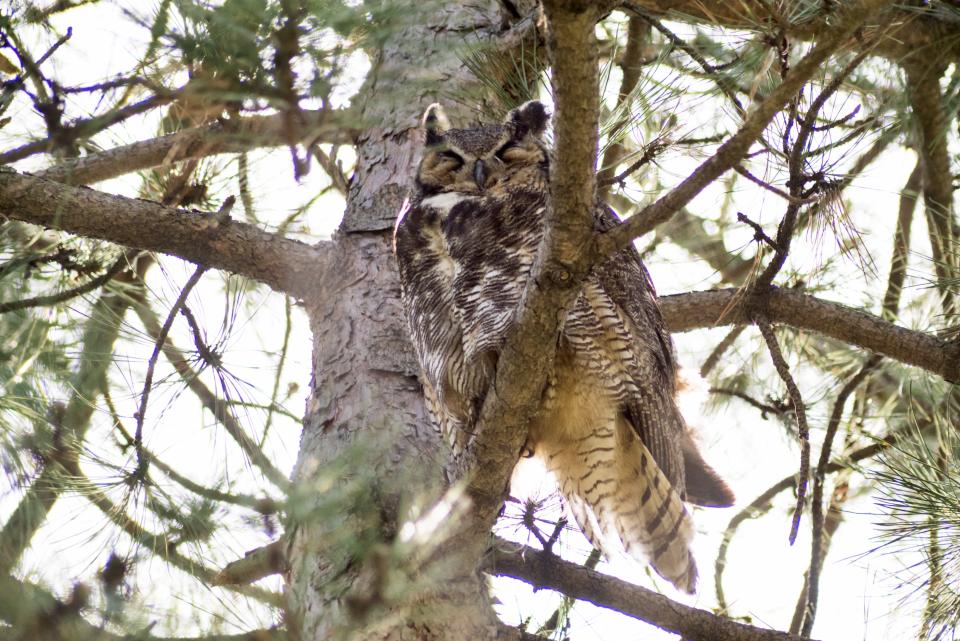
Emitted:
pixel 908 33
pixel 232 136
pixel 563 261
pixel 901 244
pixel 255 565
pixel 285 265
pixel 544 570
pixel 684 312
pixel 731 152
pixel 923 89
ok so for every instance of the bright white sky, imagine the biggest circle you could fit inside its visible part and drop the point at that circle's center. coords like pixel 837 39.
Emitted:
pixel 858 591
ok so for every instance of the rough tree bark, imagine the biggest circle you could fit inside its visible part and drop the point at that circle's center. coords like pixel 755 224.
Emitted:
pixel 365 391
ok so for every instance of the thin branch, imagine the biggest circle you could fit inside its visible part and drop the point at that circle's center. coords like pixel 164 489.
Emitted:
pixel 260 505
pixel 901 243
pixel 216 406
pixel 649 153
pixel 807 606
pixel 56 45
pixel 731 152
pixel 758 234
pixel 905 33
pixel 725 85
pixel 796 163
pixel 762 504
pixel 288 328
pixel 59 297
pixel 86 128
pixel 638 38
pixel 764 408
pixel 158 544
pixel 331 166
pixel 159 341
pixel 803 430
pixel 721 348
pixel 817 552
pixel 687 231
pixel 793 200
pixel 100 334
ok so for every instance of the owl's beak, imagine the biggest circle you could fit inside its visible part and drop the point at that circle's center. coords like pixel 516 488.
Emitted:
pixel 479 173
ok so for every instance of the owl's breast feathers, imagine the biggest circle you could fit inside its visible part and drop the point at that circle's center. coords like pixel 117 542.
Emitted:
pixel 610 430
pixel 464 261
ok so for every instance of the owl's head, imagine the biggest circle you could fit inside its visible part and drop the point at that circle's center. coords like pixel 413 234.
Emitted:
pixel 474 160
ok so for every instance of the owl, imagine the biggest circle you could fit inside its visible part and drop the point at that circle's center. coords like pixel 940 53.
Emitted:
pixel 609 430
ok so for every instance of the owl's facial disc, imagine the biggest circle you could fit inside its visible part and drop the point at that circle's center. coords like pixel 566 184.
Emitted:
pixel 472 161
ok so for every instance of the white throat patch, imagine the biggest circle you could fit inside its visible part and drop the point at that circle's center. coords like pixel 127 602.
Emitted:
pixel 444 202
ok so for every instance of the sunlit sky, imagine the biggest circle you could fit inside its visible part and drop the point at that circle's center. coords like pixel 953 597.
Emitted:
pixel 859 591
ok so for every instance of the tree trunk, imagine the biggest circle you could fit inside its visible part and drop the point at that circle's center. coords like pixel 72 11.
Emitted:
pixel 367 442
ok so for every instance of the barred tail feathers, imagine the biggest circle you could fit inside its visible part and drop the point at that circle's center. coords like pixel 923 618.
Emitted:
pixel 616 493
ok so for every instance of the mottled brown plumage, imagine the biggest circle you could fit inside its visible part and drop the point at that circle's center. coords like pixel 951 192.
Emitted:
pixel 609 431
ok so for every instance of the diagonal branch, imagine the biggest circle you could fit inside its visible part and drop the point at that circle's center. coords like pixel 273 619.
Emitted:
pixel 216 406
pixel 65 295
pixel 731 152
pixel 284 264
pixel 232 136
pixel 544 570
pixel 87 127
pixel 562 262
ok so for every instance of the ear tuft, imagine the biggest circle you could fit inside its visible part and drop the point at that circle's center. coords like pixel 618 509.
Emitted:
pixel 529 117
pixel 434 123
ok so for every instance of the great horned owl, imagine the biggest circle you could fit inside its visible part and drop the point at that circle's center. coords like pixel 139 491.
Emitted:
pixel 609 430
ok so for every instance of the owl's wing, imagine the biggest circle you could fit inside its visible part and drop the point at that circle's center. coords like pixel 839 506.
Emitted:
pixel 652 409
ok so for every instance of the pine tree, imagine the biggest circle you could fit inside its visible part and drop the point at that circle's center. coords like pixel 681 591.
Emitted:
pixel 167 255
